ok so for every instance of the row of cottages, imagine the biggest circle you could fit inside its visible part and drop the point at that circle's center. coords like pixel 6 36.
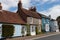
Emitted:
pixel 20 19
pixel 23 19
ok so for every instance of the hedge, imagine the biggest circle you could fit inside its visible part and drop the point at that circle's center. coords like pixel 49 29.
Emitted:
pixel 7 30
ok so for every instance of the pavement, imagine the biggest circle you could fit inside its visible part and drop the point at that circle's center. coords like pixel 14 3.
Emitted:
pixel 47 36
pixel 54 37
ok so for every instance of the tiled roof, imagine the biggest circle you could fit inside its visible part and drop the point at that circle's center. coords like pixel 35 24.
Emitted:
pixel 10 17
pixel 31 13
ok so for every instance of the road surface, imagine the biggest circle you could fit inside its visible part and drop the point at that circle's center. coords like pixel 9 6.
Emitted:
pixel 55 37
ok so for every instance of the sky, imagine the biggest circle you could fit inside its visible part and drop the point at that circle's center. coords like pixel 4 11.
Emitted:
pixel 46 7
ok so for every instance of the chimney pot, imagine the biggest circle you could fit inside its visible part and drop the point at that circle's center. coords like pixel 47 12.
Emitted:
pixel 0 6
pixel 33 8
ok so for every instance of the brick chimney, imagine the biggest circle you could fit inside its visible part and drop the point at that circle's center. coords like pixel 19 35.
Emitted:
pixel 0 6
pixel 20 12
pixel 19 4
pixel 32 8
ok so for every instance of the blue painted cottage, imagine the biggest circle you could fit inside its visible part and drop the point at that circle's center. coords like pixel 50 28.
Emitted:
pixel 45 23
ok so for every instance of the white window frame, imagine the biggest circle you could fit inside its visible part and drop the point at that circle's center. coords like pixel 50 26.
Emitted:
pixel 32 28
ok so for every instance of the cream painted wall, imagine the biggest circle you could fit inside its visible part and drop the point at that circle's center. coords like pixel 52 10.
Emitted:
pixel 36 21
pixel 30 20
pixel 40 21
pixel 39 27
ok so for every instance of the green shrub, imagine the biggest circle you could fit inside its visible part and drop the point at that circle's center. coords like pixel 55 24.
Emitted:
pixel 43 31
pixel 28 30
pixel 23 31
pixel 37 31
pixel 7 30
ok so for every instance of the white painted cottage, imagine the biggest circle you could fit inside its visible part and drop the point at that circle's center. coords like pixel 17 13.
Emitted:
pixel 10 18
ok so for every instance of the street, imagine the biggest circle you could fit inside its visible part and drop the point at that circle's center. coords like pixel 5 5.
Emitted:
pixel 55 37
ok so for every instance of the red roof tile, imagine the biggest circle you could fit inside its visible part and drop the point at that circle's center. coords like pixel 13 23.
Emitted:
pixel 31 13
pixel 10 17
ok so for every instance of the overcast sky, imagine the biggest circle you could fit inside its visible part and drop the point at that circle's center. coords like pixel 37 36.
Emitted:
pixel 47 7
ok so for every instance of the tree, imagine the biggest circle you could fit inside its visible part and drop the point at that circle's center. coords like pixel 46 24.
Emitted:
pixel 58 17
pixel 58 20
pixel 7 30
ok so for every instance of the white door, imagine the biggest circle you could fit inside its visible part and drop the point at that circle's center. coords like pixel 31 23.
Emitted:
pixel 32 30
pixel 47 27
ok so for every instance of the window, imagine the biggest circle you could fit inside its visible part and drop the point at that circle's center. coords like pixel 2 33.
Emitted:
pixel 30 20
pixel 44 21
pixel 0 30
pixel 32 28
pixel 24 28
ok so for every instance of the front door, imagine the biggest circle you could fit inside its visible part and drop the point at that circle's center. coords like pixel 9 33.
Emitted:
pixel 47 27
pixel 32 30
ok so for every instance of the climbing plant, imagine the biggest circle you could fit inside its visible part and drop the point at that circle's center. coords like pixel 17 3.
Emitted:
pixel 37 31
pixel 7 30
